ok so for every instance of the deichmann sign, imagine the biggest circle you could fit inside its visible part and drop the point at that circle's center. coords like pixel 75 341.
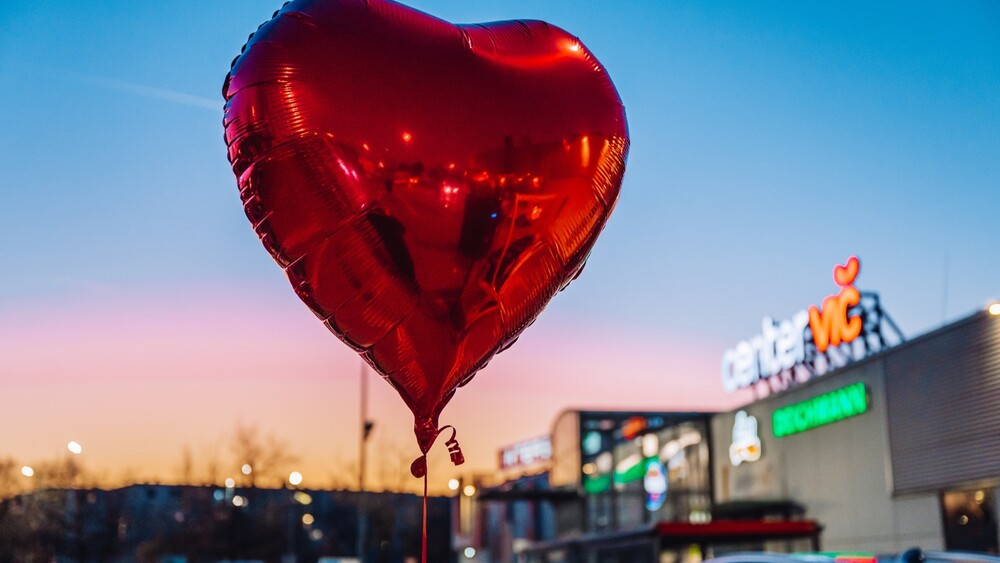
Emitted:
pixel 782 345
pixel 821 410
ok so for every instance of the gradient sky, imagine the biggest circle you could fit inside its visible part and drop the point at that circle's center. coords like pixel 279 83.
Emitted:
pixel 139 313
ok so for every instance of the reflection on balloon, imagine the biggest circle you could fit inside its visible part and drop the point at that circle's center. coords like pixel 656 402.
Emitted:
pixel 427 187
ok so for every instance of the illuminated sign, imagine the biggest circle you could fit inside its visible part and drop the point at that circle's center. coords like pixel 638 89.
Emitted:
pixel 633 427
pixel 821 410
pixel 792 346
pixel 597 474
pixel 529 452
pixel 655 484
pixel 780 347
pixel 592 443
pixel 746 442
pixel 832 324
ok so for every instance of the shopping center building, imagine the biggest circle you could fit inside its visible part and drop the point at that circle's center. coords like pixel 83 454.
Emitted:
pixel 858 440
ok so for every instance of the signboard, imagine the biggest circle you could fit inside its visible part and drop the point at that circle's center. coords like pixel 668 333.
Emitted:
pixel 527 453
pixel 746 442
pixel 654 482
pixel 821 410
pixel 848 326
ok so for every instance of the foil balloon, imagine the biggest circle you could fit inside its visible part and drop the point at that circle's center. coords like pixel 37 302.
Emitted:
pixel 427 187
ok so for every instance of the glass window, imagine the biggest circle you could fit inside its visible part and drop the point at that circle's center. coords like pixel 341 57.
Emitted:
pixel 659 475
pixel 970 520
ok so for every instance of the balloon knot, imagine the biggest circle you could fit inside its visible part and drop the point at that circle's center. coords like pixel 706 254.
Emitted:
pixel 419 466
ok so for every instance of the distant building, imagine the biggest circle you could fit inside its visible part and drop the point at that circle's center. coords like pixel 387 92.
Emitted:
pixel 166 523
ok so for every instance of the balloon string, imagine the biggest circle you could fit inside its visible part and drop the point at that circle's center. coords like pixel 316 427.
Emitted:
pixel 419 469
pixel 423 543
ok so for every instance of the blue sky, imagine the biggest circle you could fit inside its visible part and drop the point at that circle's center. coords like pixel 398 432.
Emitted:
pixel 770 140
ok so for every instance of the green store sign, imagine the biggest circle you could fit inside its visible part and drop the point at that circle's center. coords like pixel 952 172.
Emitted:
pixel 821 410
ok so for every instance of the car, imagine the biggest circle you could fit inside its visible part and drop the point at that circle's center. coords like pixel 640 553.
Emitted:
pixel 914 555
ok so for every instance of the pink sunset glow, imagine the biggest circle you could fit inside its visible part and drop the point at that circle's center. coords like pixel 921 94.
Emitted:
pixel 137 379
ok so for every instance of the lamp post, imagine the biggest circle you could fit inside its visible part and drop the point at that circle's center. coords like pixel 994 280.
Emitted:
pixel 293 482
pixel 74 494
pixel 366 429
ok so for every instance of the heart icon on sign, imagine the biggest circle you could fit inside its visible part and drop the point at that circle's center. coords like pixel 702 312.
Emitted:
pixel 846 274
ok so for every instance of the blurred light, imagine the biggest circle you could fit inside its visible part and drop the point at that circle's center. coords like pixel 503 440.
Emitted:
pixel 74 447
pixel 453 485
pixel 650 445
pixel 27 471
pixel 470 552
pixel 591 443
pixel 302 497
pixel 980 496
pixel 316 534
pixel 628 463
pixel 230 482
pixel 407 137
pixel 469 490
pixel 963 519
pixel 604 462
pixel 219 494
pixel 246 469
pixel 295 478
pixel 994 308
pixel 589 468
pixel 238 501
pixel 308 519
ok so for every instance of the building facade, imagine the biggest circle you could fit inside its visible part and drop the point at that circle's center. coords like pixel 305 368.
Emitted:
pixel 898 449
pixel 879 452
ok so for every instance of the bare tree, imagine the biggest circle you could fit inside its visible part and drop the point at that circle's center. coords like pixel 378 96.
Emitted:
pixel 342 475
pixel 266 457
pixel 10 478
pixel 185 469
pixel 393 461
pixel 213 465
pixel 62 473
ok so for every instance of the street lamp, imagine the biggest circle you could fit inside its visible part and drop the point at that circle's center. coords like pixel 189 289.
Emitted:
pixel 74 447
pixel 27 471
pixel 295 478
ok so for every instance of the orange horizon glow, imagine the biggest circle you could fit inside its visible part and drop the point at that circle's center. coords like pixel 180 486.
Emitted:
pixel 138 381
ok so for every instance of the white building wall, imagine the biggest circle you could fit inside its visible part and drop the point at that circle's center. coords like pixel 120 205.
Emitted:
pixel 840 472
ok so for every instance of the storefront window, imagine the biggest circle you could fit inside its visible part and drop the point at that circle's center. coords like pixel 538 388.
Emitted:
pixel 970 520
pixel 659 475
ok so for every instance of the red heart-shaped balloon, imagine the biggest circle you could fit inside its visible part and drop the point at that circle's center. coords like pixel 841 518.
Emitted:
pixel 427 187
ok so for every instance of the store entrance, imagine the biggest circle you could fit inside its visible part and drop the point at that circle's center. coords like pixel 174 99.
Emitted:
pixel 970 520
